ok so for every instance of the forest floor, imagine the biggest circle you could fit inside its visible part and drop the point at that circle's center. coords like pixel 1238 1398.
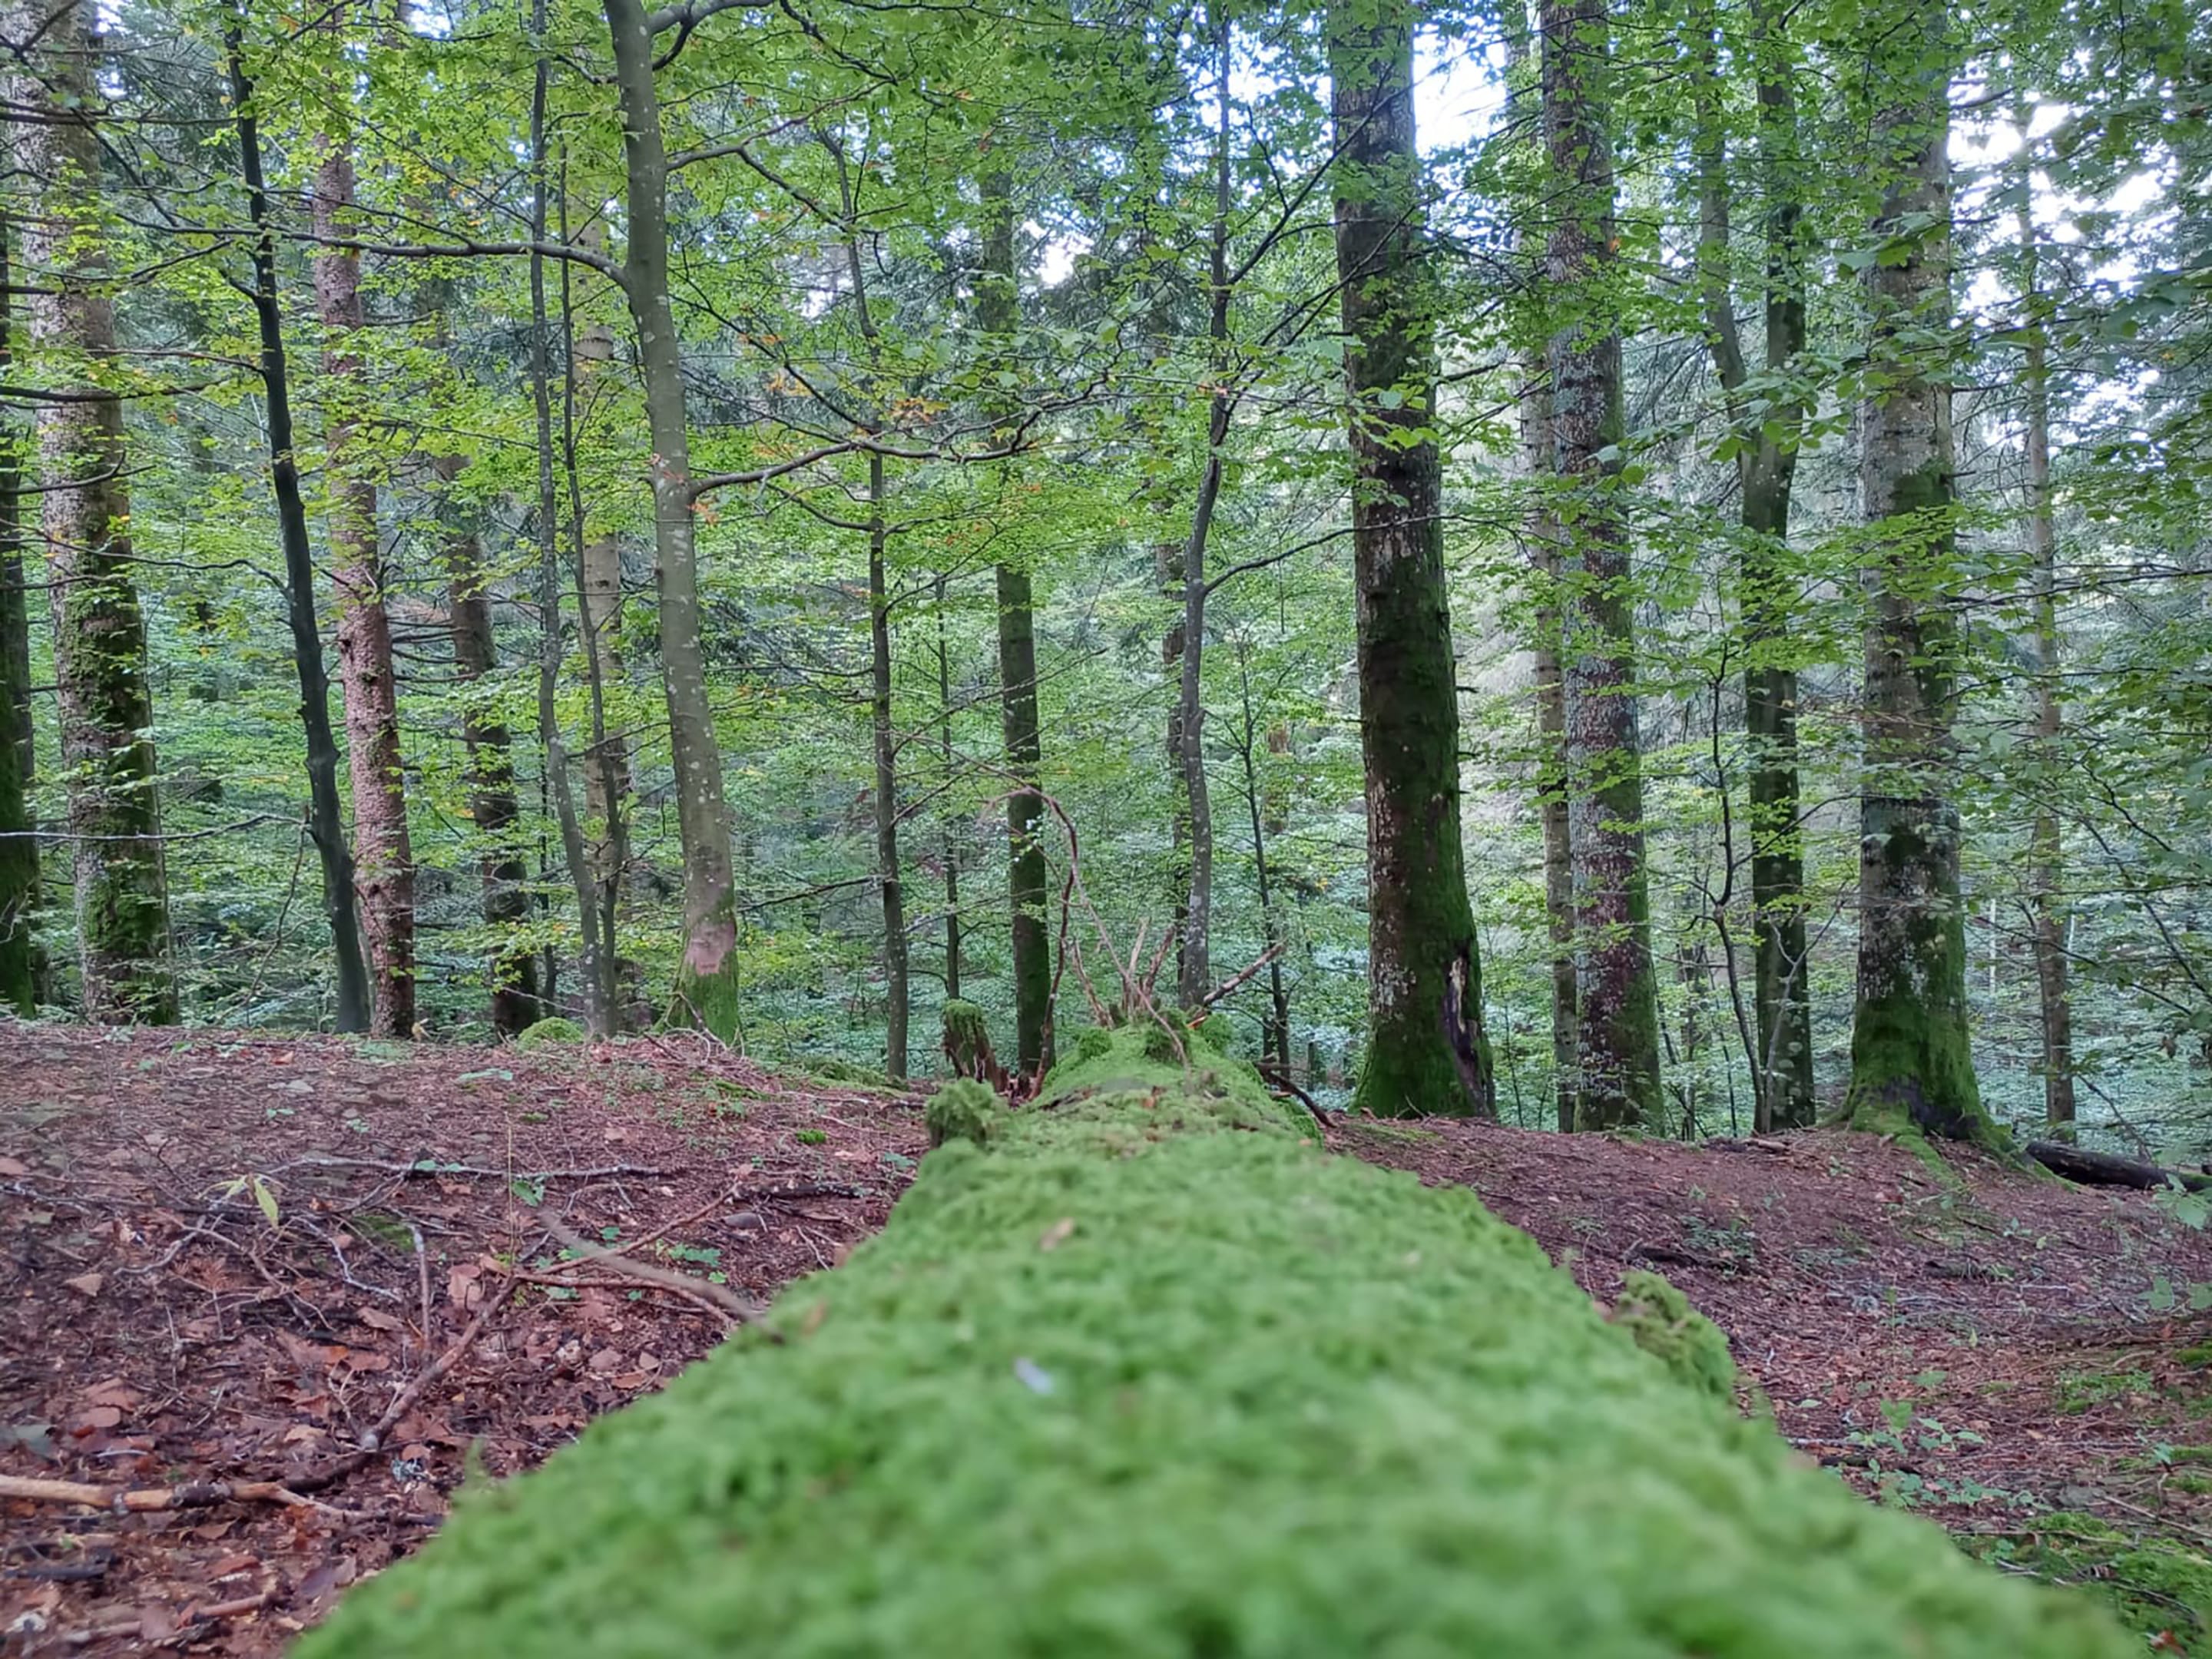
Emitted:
pixel 231 1259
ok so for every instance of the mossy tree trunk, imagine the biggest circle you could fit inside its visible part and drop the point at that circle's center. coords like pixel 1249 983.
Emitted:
pixel 1911 1063
pixel 1147 1374
pixel 99 632
pixel 1767 467
pixel 1427 1051
pixel 1616 991
pixel 706 988
pixel 948 846
pixel 19 845
pixel 384 857
pixel 489 747
pixel 997 311
pixel 326 825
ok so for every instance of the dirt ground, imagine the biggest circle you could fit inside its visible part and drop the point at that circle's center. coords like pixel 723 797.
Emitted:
pixel 357 1273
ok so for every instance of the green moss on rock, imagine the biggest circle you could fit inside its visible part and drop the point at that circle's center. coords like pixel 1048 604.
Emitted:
pixel 1155 1376
pixel 553 1032
pixel 1661 1320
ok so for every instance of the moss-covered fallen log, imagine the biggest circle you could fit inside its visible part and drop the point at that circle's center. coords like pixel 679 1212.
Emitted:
pixel 1140 1370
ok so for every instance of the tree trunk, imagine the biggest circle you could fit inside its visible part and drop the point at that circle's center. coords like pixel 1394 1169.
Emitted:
pixel 1275 1035
pixel 896 985
pixel 598 956
pixel 1616 992
pixel 99 635
pixel 1427 1052
pixel 706 989
pixel 1911 1064
pixel 952 838
pixel 997 304
pixel 2046 872
pixel 326 825
pixel 492 807
pixel 384 861
pixel 1228 1397
pixel 1766 465
pixel 19 845
pixel 599 571
pixel 1195 957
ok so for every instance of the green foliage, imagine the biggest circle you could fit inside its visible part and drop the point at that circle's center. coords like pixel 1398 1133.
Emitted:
pixel 1141 1380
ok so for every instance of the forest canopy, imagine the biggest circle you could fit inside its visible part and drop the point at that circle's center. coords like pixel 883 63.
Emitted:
pixel 1618 563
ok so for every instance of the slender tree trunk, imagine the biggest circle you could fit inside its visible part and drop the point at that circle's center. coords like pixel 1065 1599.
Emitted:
pixel 1616 1000
pixel 1167 565
pixel 19 845
pixel 706 990
pixel 951 838
pixel 1275 1038
pixel 597 957
pixel 326 825
pixel 896 988
pixel 384 860
pixel 1910 1062
pixel 491 748
pixel 99 635
pixel 997 304
pixel 1427 1051
pixel 1196 978
pixel 1782 1063
pixel 2047 872
pixel 599 570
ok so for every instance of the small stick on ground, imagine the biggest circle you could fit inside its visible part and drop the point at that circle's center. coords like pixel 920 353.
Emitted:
pixel 739 1310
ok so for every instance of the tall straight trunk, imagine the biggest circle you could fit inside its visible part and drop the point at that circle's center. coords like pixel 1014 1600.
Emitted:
pixel 997 304
pixel 1766 465
pixel 19 845
pixel 599 572
pixel 1545 535
pixel 1167 565
pixel 1910 1062
pixel 2047 872
pixel 384 860
pixel 897 989
pixel 1275 1037
pixel 326 825
pixel 706 990
pixel 598 964
pixel 490 749
pixel 1427 1052
pixel 1195 977
pixel 99 632
pixel 1616 992
pixel 951 847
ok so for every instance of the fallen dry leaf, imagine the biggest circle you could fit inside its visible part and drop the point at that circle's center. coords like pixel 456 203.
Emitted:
pixel 87 1283
pixel 377 1320
pixel 1056 1235
pixel 12 1167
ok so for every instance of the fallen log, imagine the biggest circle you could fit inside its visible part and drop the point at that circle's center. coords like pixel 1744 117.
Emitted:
pixel 1141 1372
pixel 2109 1169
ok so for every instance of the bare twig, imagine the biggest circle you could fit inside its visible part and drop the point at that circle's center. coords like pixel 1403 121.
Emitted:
pixel 1235 981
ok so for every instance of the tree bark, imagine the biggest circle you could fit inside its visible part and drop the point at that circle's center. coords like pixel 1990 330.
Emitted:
pixel 2108 1169
pixel 706 989
pixel 19 845
pixel 951 847
pixel 99 632
pixel 2047 858
pixel 1911 1063
pixel 896 988
pixel 1275 1035
pixel 1766 465
pixel 384 859
pixel 326 825
pixel 1616 992
pixel 1427 1051
pixel 493 809
pixel 997 304
pixel 597 957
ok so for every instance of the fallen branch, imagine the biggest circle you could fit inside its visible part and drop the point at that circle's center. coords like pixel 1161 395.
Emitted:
pixel 432 1166
pixel 739 1310
pixel 1235 981
pixel 1276 1079
pixel 186 1495
pixel 2109 1169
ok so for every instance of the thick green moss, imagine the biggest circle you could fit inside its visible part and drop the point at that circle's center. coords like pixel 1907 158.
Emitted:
pixel 1662 1322
pixel 963 1110
pixel 553 1032
pixel 1154 1376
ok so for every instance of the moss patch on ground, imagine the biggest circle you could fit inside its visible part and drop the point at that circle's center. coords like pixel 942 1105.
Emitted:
pixel 1149 1375
pixel 2160 1584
